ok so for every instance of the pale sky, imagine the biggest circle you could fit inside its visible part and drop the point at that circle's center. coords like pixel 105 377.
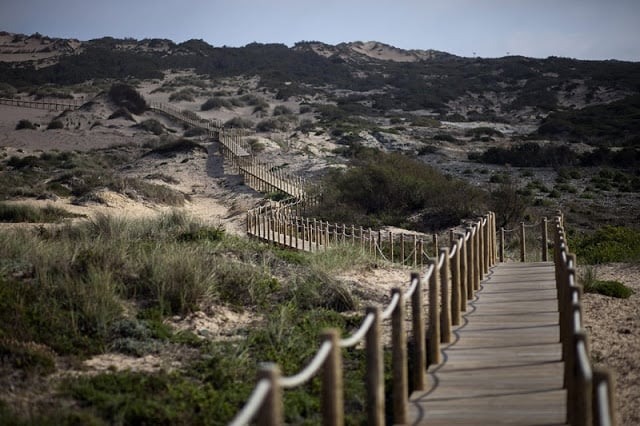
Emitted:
pixel 583 29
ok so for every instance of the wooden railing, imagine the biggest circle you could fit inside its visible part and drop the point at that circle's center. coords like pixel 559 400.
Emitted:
pixel 532 241
pixel 453 276
pixel 263 177
pixel 51 105
pixel 589 390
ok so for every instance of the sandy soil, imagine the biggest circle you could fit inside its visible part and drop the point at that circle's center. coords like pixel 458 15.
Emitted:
pixel 613 326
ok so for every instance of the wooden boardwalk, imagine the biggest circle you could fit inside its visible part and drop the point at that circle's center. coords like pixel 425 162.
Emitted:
pixel 504 363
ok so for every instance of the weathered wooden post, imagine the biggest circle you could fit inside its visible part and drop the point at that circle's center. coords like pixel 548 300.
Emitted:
pixel 523 245
pixel 270 413
pixel 391 242
pixel 433 333
pixel 455 283
pixel 501 244
pixel 332 402
pixel 470 265
pixel 463 273
pixel 445 297
pixel 402 248
pixel 399 360
pixel 545 248
pixel 375 370
pixel 435 245
pixel 420 353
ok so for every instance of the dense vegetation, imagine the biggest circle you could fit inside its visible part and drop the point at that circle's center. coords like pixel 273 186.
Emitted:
pixel 388 188
pixel 110 284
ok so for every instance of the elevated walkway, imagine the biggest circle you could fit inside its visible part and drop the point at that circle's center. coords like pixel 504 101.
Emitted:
pixel 504 365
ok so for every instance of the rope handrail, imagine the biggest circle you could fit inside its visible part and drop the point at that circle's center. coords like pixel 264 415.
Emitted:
pixel 251 407
pixel 414 285
pixel 311 368
pixel 356 337
pixel 395 299
pixel 441 260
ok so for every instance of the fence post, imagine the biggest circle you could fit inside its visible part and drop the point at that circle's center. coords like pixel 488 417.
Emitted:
pixel 435 245
pixel 604 417
pixel 270 413
pixel 471 280
pixel 402 248
pixel 545 248
pixel 477 274
pixel 481 247
pixel 463 274
pixel 399 360
pixel 501 244
pixel 420 352
pixel 433 333
pixel 523 245
pixel 487 245
pixel 455 285
pixel 445 298
pixel 375 370
pixel 332 388
pixel 391 242
pixel 415 250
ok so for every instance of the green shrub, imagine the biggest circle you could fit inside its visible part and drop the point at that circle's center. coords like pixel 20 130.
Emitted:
pixel 127 97
pixel 608 244
pixel 591 284
pixel 239 123
pixel 55 124
pixel 215 103
pixel 152 125
pixel 281 110
pixel 170 149
pixel 187 95
pixel 28 357
pixel 25 124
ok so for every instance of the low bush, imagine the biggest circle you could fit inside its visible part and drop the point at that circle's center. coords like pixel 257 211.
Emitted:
pixel 55 124
pixel 281 110
pixel 591 284
pixel 125 96
pixel 25 124
pixel 170 149
pixel 151 125
pixel 608 244
pixel 239 123
pixel 186 95
pixel 215 103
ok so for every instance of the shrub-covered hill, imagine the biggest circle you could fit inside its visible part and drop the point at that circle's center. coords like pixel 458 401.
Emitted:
pixel 491 89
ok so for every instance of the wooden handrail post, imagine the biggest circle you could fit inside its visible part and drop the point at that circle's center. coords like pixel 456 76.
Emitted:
pixel 433 332
pixel 476 258
pixel 481 247
pixel 601 375
pixel 332 389
pixel 270 413
pixel 391 243
pixel 501 244
pixel 470 265
pixel 463 274
pixel 487 245
pixel 400 389
pixel 415 250
pixel 402 248
pixel 545 248
pixel 445 298
pixel 435 245
pixel 456 285
pixel 420 353
pixel 375 370
pixel 523 246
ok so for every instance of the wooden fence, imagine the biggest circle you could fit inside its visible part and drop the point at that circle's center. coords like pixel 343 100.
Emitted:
pixel 529 241
pixel 263 177
pixel 590 390
pixel 51 105
pixel 452 277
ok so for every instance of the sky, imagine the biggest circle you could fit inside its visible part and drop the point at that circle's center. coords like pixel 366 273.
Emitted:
pixel 582 29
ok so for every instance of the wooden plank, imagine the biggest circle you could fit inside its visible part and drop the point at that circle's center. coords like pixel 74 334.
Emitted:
pixel 504 365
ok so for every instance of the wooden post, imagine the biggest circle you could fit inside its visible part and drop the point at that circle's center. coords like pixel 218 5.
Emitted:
pixel 470 268
pixel 433 333
pixel 415 250
pixel 501 244
pixel 603 376
pixel 420 353
pixel 486 236
pixel 399 360
pixel 545 248
pixel 391 242
pixel 455 284
pixel 421 251
pixel 523 245
pixel 375 370
pixel 270 413
pixel 402 248
pixel 476 258
pixel 332 402
pixel 435 245
pixel 463 274
pixel 445 298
